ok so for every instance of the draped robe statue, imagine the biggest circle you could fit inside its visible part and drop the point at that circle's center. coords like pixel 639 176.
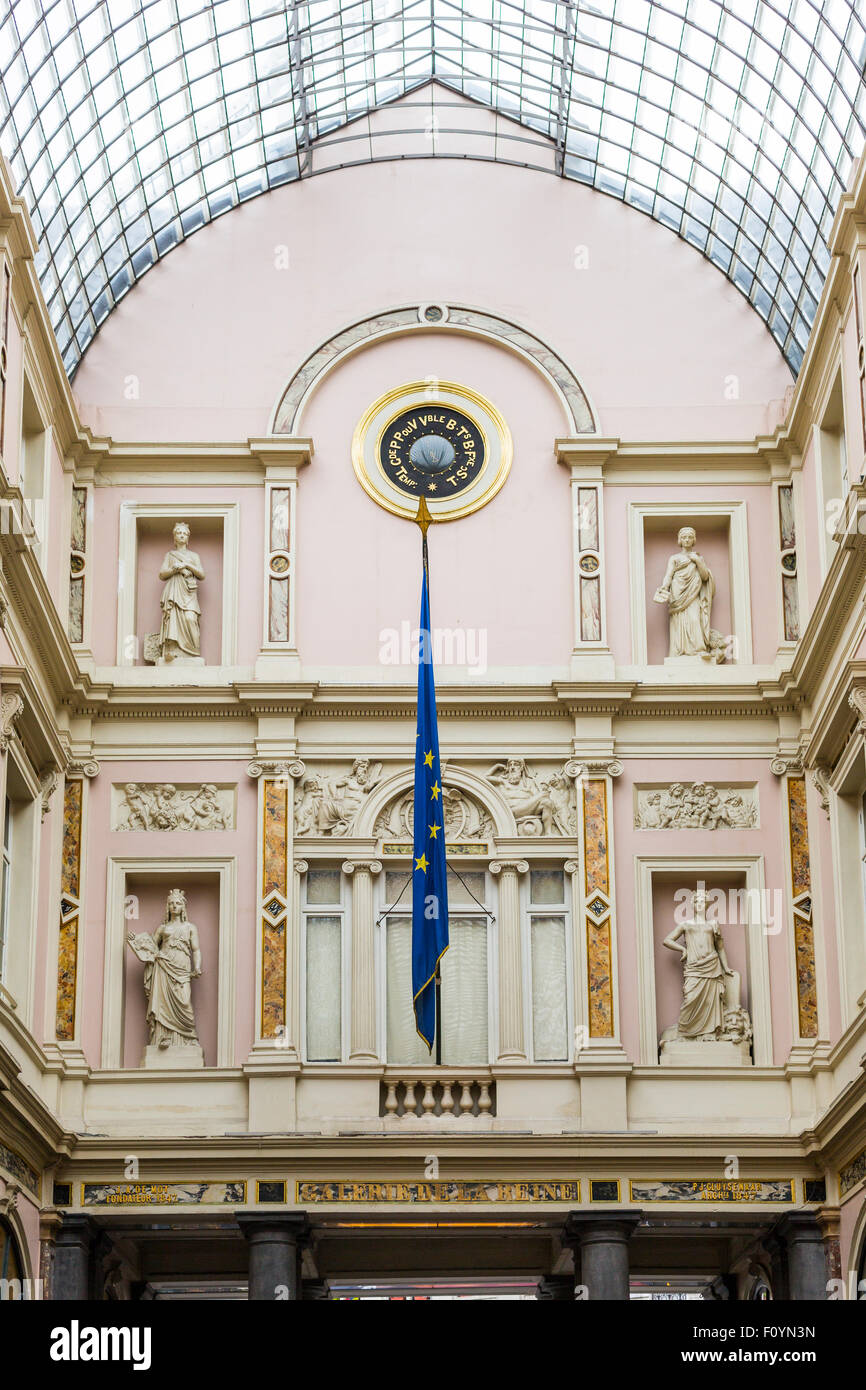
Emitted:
pixel 710 1011
pixel 179 635
pixel 172 959
pixel 688 588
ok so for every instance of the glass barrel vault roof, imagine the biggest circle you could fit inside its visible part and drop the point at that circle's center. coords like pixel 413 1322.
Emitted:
pixel 131 123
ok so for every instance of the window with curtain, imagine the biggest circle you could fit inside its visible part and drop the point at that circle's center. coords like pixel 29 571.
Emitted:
pixel 464 971
pixel 547 923
pixel 323 935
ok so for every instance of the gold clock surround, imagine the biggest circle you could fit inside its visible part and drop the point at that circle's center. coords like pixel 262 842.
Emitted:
pixel 377 419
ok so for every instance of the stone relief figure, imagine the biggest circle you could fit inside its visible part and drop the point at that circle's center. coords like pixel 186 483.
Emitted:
pixel 688 588
pixel 538 806
pixel 699 806
pixel 203 811
pixel 163 806
pixel 179 635
pixel 330 805
pixel 711 1012
pixel 172 959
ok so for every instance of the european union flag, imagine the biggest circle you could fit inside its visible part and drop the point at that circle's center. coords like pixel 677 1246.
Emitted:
pixel 429 882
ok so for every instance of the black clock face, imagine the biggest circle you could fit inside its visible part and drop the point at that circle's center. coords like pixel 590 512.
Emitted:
pixel 432 451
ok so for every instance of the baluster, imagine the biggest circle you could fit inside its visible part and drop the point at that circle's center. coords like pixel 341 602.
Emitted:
pixel 428 1102
pixel 391 1099
pixel 448 1097
pixel 485 1104
pixel 409 1101
pixel 466 1099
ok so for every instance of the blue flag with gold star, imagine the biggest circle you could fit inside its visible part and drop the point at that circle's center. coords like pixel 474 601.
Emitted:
pixel 429 882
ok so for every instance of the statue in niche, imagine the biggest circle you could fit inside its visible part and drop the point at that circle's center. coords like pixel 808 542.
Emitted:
pixel 688 588
pixel 711 1012
pixel 172 959
pixel 180 635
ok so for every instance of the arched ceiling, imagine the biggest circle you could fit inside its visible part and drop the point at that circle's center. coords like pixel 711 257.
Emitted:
pixel 129 124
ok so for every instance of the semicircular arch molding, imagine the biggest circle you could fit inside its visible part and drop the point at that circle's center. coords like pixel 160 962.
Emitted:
pixel 449 318
pixel 391 791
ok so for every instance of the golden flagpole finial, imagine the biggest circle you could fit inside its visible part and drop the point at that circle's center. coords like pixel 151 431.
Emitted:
pixel 423 517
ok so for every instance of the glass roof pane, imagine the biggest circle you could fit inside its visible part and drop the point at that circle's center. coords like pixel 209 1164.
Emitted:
pixel 713 116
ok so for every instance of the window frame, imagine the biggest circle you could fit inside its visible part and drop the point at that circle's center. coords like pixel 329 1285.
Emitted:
pixel 343 911
pixel 528 911
pixel 404 913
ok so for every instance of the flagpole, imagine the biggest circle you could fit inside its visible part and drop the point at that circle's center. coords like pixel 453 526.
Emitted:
pixel 423 520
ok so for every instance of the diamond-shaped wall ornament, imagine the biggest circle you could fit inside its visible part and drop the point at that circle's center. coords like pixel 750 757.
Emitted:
pixel 599 906
pixel 803 906
pixel 275 907
pixel 68 906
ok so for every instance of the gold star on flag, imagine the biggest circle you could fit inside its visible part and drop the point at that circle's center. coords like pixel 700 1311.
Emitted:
pixel 421 864
pixel 428 758
pixel 434 831
pixel 434 791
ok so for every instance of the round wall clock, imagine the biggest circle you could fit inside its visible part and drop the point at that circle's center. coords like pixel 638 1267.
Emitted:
pixel 443 442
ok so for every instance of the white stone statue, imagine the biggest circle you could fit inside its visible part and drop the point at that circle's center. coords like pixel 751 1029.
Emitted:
pixel 538 807
pixel 688 588
pixel 179 635
pixel 712 1026
pixel 330 805
pixel 172 959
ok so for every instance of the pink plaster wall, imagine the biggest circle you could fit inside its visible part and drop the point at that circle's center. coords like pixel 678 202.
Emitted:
pixel 504 571
pixel 767 840
pixel 167 851
pixel 651 328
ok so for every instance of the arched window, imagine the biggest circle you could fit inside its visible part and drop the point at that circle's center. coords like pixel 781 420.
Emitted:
pixel 11 1264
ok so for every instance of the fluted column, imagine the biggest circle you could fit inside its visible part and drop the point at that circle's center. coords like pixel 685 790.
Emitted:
pixel 512 1040
pixel 362 872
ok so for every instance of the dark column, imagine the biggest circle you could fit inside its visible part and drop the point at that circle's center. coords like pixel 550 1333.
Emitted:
pixel 71 1275
pixel 807 1269
pixel 556 1288
pixel 602 1239
pixel 314 1291
pixel 274 1244
pixel 722 1289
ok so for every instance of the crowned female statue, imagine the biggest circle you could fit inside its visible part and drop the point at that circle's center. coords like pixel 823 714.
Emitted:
pixel 179 635
pixel 688 588
pixel 172 959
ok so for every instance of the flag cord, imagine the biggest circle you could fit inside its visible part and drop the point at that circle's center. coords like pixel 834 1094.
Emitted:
pixel 386 910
